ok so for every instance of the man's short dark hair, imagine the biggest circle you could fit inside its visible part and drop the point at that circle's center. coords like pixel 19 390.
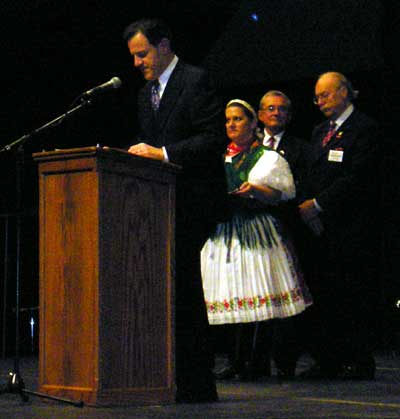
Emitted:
pixel 153 29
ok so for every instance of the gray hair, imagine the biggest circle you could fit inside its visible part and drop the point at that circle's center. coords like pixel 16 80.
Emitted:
pixel 276 93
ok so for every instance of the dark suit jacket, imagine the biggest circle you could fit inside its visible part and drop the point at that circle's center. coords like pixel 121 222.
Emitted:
pixel 295 151
pixel 347 190
pixel 190 124
pixel 343 263
pixel 189 121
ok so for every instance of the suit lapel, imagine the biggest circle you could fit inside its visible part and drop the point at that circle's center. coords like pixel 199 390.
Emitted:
pixel 285 145
pixel 319 151
pixel 146 110
pixel 337 141
pixel 170 96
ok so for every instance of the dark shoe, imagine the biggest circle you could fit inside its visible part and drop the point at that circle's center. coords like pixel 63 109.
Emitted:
pixel 285 374
pixel 226 373
pixel 312 373
pixel 358 371
pixel 251 373
pixel 316 373
pixel 197 386
pixel 201 397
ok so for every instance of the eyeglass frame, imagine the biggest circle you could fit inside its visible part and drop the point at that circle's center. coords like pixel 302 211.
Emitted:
pixel 271 108
pixel 325 95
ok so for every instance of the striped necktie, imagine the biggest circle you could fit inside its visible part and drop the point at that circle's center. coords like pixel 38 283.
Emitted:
pixel 155 95
pixel 271 142
pixel 329 134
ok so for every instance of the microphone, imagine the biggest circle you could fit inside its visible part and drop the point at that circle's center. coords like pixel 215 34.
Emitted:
pixel 114 83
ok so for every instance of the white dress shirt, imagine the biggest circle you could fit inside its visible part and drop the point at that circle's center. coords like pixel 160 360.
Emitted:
pixel 278 138
pixel 163 80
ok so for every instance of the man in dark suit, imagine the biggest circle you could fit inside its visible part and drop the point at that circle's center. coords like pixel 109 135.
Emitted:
pixel 181 121
pixel 280 337
pixel 275 114
pixel 341 193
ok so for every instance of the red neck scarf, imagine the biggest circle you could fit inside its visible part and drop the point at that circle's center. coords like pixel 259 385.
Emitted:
pixel 234 149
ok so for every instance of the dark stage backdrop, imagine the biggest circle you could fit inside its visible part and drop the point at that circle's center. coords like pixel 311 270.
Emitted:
pixel 52 51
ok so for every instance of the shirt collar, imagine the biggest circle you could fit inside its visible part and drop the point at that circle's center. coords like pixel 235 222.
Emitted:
pixel 277 137
pixel 348 111
pixel 166 74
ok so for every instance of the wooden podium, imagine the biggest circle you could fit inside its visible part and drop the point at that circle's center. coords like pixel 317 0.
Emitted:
pixel 106 277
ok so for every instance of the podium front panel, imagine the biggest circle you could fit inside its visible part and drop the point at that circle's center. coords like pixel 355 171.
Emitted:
pixel 136 233
pixel 106 277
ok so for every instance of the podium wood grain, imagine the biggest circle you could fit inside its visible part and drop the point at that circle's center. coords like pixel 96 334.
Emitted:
pixel 106 277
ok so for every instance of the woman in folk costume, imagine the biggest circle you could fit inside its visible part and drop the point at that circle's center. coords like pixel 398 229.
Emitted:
pixel 250 273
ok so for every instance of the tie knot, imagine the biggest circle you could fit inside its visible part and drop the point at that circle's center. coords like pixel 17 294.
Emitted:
pixel 155 87
pixel 271 141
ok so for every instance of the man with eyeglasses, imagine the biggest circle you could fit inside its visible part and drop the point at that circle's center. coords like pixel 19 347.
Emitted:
pixel 280 338
pixel 275 112
pixel 341 196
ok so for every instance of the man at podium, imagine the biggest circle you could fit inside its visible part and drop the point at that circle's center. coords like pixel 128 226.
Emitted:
pixel 181 121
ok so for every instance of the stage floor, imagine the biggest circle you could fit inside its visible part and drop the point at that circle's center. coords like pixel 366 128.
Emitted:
pixel 264 399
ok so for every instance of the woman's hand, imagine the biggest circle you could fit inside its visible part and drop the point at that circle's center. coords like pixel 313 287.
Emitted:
pixel 264 194
pixel 244 191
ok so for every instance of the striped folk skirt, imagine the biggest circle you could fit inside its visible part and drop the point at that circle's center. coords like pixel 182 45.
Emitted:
pixel 250 272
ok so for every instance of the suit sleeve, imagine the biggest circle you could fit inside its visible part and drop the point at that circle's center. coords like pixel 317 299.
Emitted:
pixel 357 181
pixel 201 123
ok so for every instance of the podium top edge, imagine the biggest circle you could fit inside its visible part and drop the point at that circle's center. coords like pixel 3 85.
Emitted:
pixel 82 152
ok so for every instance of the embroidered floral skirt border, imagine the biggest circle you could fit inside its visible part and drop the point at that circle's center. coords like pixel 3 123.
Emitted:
pixel 250 273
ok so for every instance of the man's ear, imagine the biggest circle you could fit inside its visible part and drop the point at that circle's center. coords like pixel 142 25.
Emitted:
pixel 164 46
pixel 345 91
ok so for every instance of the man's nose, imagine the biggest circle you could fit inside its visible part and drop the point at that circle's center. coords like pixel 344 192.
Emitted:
pixel 137 61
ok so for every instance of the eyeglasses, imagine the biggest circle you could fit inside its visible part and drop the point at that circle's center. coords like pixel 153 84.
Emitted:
pixel 324 96
pixel 271 108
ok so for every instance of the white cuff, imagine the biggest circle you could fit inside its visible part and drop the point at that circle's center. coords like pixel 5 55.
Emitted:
pixel 165 154
pixel 317 206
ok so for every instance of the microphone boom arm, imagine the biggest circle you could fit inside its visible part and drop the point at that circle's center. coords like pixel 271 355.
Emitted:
pixel 56 121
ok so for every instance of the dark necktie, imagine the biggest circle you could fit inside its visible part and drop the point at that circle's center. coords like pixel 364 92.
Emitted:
pixel 155 95
pixel 271 142
pixel 329 134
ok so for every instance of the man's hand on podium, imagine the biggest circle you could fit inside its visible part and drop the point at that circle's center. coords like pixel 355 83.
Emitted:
pixel 145 150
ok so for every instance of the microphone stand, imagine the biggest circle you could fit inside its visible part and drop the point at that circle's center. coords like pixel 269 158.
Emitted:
pixel 15 383
pixel 56 121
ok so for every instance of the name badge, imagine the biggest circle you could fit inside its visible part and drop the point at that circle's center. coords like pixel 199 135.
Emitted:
pixel 335 155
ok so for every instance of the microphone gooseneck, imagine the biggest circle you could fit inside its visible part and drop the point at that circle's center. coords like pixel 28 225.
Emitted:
pixel 114 83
